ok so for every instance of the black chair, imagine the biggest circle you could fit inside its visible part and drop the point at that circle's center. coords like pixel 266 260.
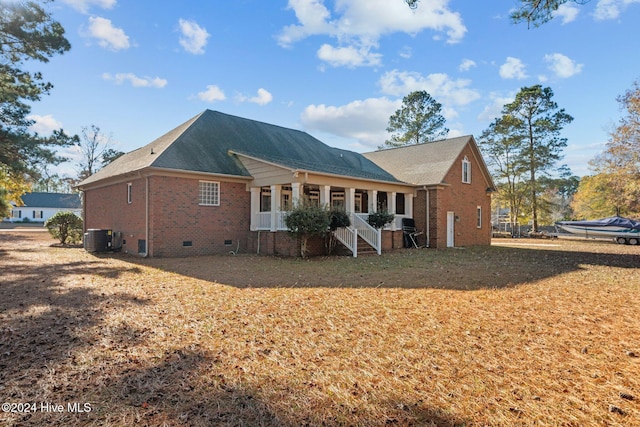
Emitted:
pixel 410 233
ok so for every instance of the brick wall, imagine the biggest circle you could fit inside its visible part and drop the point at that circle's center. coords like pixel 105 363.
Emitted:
pixel 461 199
pixel 178 225
pixel 464 199
pixel 182 227
pixel 108 208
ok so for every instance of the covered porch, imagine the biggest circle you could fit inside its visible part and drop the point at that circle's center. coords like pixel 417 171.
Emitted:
pixel 270 204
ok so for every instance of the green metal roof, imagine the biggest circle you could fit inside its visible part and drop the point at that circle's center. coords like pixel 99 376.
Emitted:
pixel 204 143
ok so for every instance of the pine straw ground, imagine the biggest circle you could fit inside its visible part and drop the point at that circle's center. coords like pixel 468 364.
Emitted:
pixel 525 332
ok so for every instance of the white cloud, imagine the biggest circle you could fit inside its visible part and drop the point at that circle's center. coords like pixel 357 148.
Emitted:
pixel 611 9
pixel 84 5
pixel 212 94
pixel 349 56
pixel 440 86
pixel 135 81
pixel 568 12
pixel 262 98
pixel 108 36
pixel 357 25
pixel 494 109
pixel 513 68
pixel 467 64
pixel 44 125
pixel 562 66
pixel 194 37
pixel 406 52
pixel 365 120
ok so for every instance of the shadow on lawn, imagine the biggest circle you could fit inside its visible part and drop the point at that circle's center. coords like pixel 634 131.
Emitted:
pixel 195 388
pixel 46 312
pixel 457 269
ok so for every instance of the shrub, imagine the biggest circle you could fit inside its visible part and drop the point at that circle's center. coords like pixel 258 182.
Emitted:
pixel 338 218
pixel 305 220
pixel 379 219
pixel 66 227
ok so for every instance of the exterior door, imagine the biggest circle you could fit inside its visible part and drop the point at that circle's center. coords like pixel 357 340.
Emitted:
pixel 451 220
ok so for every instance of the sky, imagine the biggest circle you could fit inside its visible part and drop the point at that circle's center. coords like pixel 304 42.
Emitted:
pixel 334 69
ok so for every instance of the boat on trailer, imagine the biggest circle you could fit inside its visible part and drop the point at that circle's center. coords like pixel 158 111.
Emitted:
pixel 622 230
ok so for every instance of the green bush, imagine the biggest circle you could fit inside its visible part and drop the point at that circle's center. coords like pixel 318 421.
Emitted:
pixel 305 220
pixel 379 219
pixel 66 227
pixel 338 218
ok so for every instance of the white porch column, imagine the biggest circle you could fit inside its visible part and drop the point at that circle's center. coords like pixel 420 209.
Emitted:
pixel 325 195
pixel 275 199
pixel 408 204
pixel 392 208
pixel 255 207
pixel 296 192
pixel 373 200
pixel 350 202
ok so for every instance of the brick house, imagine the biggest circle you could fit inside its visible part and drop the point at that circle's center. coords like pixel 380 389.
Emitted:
pixel 219 182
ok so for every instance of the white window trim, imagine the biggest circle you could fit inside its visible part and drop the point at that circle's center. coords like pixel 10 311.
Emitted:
pixel 129 192
pixel 479 217
pixel 216 201
pixel 467 163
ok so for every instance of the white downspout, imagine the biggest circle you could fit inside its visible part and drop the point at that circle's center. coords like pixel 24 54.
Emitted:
pixel 427 207
pixel 146 217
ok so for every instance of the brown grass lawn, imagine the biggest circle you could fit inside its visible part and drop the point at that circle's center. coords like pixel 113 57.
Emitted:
pixel 525 332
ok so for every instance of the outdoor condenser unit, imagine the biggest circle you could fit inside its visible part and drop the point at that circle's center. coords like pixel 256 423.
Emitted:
pixel 99 240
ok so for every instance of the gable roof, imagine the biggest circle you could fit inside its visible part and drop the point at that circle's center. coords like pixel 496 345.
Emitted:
pixel 427 163
pixel 52 200
pixel 206 143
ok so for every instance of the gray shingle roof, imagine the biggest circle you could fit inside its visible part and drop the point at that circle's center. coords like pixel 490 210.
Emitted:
pixel 421 164
pixel 203 144
pixel 52 200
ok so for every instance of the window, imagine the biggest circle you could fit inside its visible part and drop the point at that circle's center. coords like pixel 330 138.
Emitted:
pixel 337 200
pixel 400 204
pixel 466 171
pixel 37 214
pixel 16 214
pixel 479 217
pixel 265 199
pixel 129 193
pixel 209 193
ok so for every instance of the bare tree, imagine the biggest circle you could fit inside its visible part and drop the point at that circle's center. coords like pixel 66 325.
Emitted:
pixel 96 151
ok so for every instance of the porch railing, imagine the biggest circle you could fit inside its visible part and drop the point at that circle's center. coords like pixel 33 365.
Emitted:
pixel 349 237
pixel 263 220
pixel 369 234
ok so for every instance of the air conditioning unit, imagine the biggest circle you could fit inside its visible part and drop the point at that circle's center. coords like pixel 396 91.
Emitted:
pixel 102 240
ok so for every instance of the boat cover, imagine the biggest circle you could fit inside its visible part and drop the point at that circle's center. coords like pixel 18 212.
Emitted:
pixel 616 221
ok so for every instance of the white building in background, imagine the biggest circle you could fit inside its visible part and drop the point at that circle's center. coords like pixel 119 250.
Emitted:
pixel 39 207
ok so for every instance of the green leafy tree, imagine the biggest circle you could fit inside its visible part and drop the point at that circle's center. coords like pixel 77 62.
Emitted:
pixel 306 220
pixel 66 227
pixel 503 150
pixel 418 120
pixel 558 194
pixel 380 218
pixel 536 122
pixel 27 33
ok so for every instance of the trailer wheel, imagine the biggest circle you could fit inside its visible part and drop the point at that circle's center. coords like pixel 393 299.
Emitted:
pixel 633 241
pixel 621 240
